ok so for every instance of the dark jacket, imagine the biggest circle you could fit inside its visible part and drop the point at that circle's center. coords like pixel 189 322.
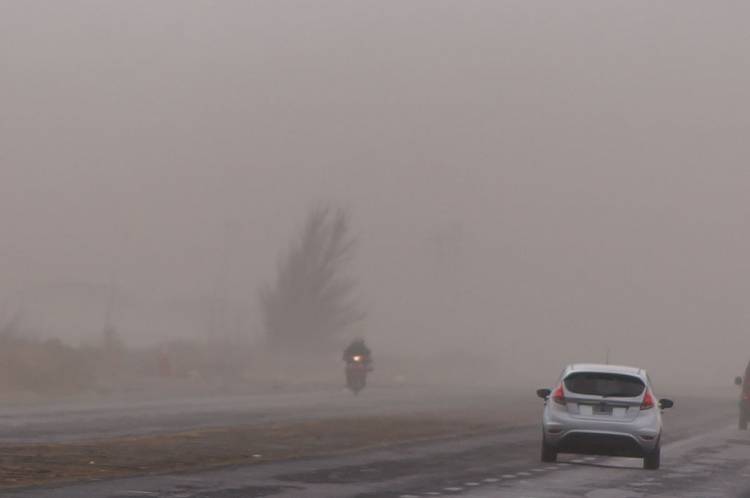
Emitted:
pixel 357 349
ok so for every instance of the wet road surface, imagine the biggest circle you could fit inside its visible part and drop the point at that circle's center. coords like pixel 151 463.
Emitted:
pixel 704 456
pixel 74 421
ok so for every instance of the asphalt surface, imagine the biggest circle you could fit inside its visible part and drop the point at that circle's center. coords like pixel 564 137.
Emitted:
pixel 96 419
pixel 704 456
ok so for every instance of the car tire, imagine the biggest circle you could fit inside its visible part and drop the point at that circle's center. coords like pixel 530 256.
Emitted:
pixel 652 460
pixel 549 454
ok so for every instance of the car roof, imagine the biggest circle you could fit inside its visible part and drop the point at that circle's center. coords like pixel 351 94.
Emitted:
pixel 602 368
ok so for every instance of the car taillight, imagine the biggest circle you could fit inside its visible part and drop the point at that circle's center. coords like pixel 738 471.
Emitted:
pixel 648 401
pixel 559 396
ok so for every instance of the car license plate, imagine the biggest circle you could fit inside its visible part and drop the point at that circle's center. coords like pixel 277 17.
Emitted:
pixel 602 410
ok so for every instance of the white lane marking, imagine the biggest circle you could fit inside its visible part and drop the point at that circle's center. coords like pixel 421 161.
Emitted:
pixel 537 470
pixel 136 492
pixel 554 467
pixel 408 496
pixel 453 489
pixel 432 493
pixel 491 479
pixel 578 460
pixel 471 484
pixel 590 459
pixel 524 474
pixel 508 476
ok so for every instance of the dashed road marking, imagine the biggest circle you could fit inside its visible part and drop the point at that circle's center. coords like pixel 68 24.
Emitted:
pixel 453 488
pixel 471 484
pixel 491 479
pixel 524 474
pixel 508 476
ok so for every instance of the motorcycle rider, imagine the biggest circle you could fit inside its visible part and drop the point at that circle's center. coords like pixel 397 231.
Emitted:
pixel 358 348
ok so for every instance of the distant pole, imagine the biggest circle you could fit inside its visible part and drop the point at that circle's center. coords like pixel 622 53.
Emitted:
pixel 218 320
pixel 109 312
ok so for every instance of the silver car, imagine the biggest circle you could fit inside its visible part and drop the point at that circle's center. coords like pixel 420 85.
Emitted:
pixel 603 410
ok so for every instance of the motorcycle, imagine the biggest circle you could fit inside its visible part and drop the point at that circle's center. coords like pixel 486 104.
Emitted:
pixel 356 373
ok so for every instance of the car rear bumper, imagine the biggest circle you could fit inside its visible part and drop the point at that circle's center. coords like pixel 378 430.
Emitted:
pixel 603 443
pixel 634 438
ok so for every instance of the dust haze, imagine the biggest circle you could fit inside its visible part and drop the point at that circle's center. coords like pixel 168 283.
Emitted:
pixel 529 183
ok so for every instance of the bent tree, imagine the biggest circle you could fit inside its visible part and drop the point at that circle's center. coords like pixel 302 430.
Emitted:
pixel 312 304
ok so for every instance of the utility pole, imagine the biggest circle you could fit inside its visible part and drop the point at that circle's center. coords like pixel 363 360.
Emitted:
pixel 109 311
pixel 219 325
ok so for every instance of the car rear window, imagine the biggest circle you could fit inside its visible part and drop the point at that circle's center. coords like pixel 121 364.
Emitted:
pixel 604 384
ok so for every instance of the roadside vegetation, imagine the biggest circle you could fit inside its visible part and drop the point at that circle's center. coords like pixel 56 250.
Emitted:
pixel 47 464
pixel 306 315
pixel 312 305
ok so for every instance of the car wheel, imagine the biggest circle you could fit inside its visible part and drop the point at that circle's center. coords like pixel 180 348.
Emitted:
pixel 549 454
pixel 652 460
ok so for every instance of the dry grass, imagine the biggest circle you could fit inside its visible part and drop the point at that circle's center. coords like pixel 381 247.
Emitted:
pixel 45 464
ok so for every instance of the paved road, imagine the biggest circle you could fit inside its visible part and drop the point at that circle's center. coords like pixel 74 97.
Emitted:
pixel 704 456
pixel 127 417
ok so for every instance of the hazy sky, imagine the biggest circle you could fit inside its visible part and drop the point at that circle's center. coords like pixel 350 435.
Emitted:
pixel 553 176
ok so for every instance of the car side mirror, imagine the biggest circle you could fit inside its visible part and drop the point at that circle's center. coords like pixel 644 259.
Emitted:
pixel 543 393
pixel 665 403
pixel 738 381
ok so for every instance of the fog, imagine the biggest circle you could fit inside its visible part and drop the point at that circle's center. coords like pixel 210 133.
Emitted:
pixel 534 183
